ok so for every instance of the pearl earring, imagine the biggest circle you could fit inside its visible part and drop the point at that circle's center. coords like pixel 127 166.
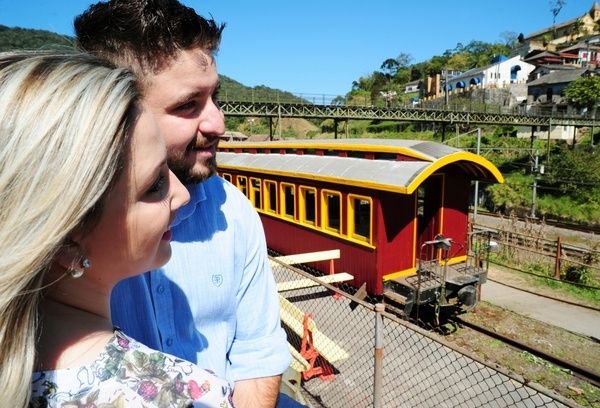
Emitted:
pixel 78 273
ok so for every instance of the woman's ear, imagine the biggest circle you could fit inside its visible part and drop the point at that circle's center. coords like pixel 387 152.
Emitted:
pixel 69 255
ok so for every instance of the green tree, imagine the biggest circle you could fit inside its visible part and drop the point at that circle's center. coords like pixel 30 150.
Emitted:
pixel 584 92
pixel 575 173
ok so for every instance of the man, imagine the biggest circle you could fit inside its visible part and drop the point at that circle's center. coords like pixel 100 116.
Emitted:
pixel 215 303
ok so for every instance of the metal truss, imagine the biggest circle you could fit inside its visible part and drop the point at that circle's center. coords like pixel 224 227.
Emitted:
pixel 338 112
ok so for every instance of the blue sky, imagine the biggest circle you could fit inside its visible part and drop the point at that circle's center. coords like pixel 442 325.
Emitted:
pixel 320 47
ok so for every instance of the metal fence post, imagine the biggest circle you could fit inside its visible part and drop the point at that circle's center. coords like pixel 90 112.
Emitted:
pixel 378 374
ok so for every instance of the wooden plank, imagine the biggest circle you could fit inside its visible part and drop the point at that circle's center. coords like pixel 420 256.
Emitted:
pixel 294 317
pixel 309 257
pixel 308 283
pixel 298 363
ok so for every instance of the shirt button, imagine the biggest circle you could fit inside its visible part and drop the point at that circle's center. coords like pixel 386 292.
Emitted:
pixel 160 289
pixel 169 342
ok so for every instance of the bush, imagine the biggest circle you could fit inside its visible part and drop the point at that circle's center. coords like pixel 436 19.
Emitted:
pixel 577 274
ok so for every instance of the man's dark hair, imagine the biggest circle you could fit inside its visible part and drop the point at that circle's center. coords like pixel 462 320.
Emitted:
pixel 144 35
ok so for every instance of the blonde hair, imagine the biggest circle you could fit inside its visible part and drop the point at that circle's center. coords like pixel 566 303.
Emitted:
pixel 64 121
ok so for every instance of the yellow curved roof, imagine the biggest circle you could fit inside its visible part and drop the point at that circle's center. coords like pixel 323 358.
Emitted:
pixel 402 176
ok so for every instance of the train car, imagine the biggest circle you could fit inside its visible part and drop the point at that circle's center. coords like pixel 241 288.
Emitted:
pixel 396 209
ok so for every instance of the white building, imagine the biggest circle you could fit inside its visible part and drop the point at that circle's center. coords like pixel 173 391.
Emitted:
pixel 500 74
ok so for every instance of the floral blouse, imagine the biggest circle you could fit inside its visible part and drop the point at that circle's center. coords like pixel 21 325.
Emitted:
pixel 129 374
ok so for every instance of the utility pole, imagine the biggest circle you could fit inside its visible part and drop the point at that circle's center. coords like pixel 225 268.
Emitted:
pixel 477 181
pixel 534 172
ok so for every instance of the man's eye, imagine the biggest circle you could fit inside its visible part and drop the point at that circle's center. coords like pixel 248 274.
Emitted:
pixel 186 106
pixel 215 98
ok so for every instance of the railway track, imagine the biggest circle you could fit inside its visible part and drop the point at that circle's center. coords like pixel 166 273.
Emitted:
pixel 581 372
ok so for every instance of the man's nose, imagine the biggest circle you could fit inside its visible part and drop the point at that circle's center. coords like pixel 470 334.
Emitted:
pixel 212 121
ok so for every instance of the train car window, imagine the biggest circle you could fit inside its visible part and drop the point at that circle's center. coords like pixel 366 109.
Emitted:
pixel 271 196
pixel 308 205
pixel 360 217
pixel 288 200
pixel 331 205
pixel 227 176
pixel 255 192
pixel 356 155
pixel 242 184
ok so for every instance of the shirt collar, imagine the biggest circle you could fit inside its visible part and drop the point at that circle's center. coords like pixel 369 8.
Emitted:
pixel 197 195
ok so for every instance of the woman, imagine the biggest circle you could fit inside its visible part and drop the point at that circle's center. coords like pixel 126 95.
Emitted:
pixel 87 199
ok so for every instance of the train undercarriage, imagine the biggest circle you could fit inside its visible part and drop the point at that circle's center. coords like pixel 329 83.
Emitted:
pixel 438 284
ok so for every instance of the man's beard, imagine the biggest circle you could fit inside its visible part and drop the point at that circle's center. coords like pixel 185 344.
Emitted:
pixel 191 173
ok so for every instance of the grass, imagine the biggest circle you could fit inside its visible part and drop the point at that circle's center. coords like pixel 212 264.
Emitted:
pixel 580 350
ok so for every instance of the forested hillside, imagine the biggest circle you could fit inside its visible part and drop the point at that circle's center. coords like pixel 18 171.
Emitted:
pixel 14 38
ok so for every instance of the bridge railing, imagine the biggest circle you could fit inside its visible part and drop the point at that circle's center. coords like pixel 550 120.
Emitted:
pixel 466 105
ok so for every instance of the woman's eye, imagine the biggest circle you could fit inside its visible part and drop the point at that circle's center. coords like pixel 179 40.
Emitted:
pixel 159 186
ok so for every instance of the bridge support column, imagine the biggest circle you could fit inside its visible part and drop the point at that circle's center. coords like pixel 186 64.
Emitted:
pixel 335 126
pixel 270 128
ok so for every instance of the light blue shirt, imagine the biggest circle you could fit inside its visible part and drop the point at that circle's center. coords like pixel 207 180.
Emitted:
pixel 215 303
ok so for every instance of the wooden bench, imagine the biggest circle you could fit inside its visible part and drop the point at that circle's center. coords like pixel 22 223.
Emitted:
pixel 310 257
pixel 308 283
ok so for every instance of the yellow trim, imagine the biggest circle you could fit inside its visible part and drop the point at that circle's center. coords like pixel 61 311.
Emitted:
pixel 369 148
pixel 282 204
pixel 244 190
pixel 350 218
pixel 252 192
pixel 320 230
pixel 315 177
pixel 453 158
pixel 422 176
pixel 442 210
pixel 325 211
pixel 302 204
pixel 227 176
pixel 267 186
pixel 400 274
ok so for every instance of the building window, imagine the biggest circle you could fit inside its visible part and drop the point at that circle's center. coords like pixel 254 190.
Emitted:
pixel 271 196
pixel 308 205
pixel 227 177
pixel 360 217
pixel 331 210
pixel 242 184
pixel 255 192
pixel 288 200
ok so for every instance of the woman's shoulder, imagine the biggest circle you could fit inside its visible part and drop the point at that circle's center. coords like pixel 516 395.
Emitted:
pixel 131 374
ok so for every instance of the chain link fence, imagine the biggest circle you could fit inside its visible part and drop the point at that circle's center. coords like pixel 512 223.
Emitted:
pixel 354 354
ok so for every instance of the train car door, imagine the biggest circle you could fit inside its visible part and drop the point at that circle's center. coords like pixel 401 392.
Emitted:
pixel 429 205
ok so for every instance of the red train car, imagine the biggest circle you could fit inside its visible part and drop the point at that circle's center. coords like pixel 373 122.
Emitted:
pixel 389 206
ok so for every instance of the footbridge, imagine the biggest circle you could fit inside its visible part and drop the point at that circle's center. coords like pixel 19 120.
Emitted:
pixel 402 114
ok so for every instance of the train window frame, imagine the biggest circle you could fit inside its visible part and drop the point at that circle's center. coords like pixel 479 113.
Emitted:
pixel 352 234
pixel 325 219
pixel 302 190
pixel 283 207
pixel 227 176
pixel 270 187
pixel 252 190
pixel 243 188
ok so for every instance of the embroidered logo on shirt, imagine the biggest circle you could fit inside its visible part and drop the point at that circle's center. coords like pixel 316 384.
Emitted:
pixel 217 280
